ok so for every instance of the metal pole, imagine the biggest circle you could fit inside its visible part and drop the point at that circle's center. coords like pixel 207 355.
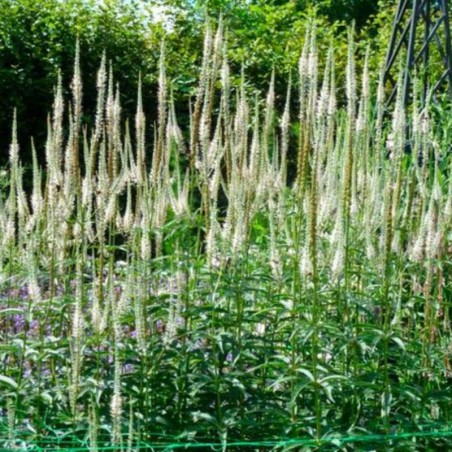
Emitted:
pixel 445 9
pixel 410 52
pixel 391 54
pixel 425 58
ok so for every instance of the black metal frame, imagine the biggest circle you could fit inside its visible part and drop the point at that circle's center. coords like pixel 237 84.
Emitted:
pixel 410 16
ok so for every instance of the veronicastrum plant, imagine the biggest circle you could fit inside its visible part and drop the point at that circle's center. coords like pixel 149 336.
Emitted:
pixel 262 275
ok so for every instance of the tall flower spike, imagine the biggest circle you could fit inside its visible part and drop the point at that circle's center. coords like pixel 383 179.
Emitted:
pixel 216 62
pixel 332 103
pixel 116 149
pixel 203 80
pixel 380 109
pixel 36 197
pixel 162 116
pixel 303 74
pixel 399 133
pixel 268 122
pixel 69 175
pixel 140 121
pixel 57 127
pixel 351 75
pixel 312 75
pixel 100 107
pixel 308 99
pixel 285 124
pixel 14 148
pixel 11 202
pixel 77 96
pixel 225 90
pixel 253 167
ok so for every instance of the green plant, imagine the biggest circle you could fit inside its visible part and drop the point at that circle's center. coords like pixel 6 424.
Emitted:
pixel 200 296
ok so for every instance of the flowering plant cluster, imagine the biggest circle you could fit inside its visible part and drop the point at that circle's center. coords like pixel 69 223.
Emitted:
pixel 260 275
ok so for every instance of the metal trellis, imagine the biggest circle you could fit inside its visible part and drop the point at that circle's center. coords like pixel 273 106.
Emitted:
pixel 418 25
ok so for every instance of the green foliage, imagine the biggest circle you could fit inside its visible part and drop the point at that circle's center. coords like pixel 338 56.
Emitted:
pixel 263 35
pixel 37 39
pixel 223 303
pixel 358 11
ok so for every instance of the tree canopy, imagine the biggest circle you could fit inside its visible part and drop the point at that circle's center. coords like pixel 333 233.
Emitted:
pixel 37 41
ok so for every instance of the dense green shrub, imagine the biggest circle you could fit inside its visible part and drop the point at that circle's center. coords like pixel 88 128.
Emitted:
pixel 37 39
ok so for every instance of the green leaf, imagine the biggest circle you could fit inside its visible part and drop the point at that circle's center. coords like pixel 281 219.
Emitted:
pixel 9 348
pixel 307 373
pixel 47 398
pixel 399 342
pixel 9 381
pixel 11 311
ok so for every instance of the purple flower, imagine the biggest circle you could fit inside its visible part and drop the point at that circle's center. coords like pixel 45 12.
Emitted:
pixel 33 328
pixel 23 292
pixel 160 326
pixel 99 348
pixel 127 368
pixel 199 344
pixel 18 322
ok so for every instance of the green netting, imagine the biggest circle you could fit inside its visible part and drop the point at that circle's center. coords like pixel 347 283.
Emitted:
pixel 49 444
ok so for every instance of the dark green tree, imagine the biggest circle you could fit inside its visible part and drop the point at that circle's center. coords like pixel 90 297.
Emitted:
pixel 37 39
